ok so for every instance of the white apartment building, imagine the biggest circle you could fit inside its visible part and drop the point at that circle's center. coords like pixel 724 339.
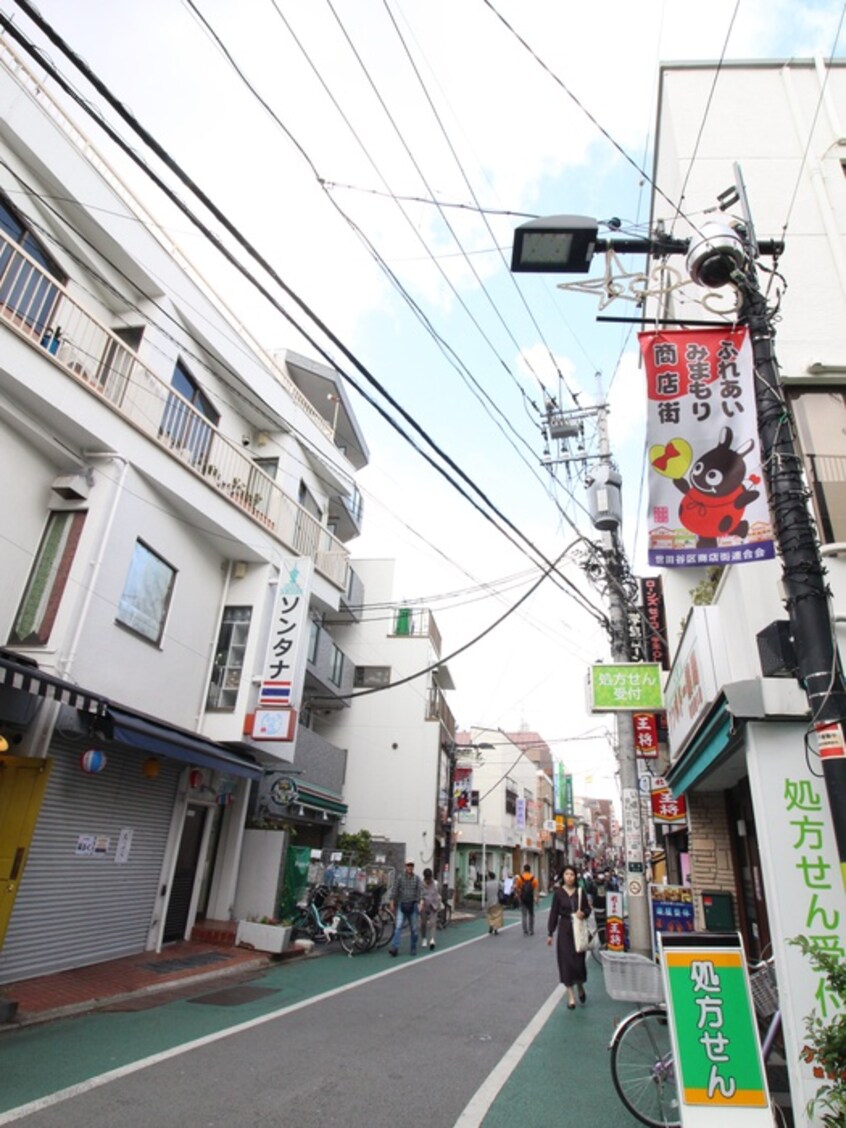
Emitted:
pixel 739 720
pixel 397 740
pixel 166 482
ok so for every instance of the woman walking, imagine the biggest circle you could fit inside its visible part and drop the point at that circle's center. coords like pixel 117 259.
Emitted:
pixel 568 900
pixel 493 909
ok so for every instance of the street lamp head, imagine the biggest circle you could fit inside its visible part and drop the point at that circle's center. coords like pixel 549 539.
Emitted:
pixel 557 244
pixel 716 252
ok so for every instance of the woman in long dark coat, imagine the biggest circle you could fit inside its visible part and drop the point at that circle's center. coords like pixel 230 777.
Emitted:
pixel 568 900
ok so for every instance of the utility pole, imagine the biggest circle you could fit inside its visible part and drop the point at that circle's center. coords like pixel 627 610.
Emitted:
pixel 721 255
pixel 606 513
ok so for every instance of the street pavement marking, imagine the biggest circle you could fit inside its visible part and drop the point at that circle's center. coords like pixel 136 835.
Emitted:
pixel 91 1083
pixel 486 1094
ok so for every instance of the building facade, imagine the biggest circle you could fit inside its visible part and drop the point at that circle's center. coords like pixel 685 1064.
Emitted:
pixel 741 749
pixel 168 479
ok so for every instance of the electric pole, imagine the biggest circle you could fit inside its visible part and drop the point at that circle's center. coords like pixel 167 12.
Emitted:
pixel 605 503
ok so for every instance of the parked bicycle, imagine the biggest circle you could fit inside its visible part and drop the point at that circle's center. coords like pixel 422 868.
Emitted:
pixel 642 1064
pixel 444 914
pixel 381 917
pixel 322 918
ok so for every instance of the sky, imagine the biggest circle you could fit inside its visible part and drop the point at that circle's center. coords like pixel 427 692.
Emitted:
pixel 379 153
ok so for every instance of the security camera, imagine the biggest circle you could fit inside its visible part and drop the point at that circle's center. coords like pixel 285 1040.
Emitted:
pixel 715 253
pixel 246 440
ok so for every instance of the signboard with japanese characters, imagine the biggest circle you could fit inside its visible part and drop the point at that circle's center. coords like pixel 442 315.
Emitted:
pixel 707 503
pixel 700 667
pixel 802 884
pixel 666 808
pixel 714 1034
pixel 625 687
pixel 672 909
pixel 559 797
pixel 654 621
pixel 645 735
pixel 283 673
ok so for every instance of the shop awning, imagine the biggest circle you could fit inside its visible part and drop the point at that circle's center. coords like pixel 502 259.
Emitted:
pixel 135 730
pixel 310 796
pixel 148 735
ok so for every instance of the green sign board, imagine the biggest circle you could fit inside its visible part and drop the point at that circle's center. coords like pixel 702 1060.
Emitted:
pixel 626 687
pixel 714 1033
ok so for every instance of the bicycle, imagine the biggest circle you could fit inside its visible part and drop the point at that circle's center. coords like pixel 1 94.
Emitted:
pixel 380 916
pixel 322 921
pixel 642 1064
pixel 444 915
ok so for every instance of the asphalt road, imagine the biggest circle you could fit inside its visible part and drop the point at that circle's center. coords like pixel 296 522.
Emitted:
pixel 475 1033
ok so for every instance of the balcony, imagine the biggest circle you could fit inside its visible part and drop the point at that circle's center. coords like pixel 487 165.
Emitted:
pixel 438 710
pixel 411 622
pixel 35 307
pixel 345 512
pixel 329 673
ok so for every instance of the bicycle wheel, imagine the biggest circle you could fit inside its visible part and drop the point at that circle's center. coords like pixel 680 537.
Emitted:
pixel 385 923
pixel 304 927
pixel 643 1069
pixel 356 933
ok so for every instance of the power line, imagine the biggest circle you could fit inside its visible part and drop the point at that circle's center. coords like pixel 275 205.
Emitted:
pixel 173 166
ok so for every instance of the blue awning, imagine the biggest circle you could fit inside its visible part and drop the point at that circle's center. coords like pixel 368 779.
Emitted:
pixel 148 735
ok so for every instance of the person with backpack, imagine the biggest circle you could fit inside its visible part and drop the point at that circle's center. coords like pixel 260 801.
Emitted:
pixel 526 889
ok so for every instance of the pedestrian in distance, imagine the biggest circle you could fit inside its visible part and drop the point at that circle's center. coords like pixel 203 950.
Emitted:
pixel 493 908
pixel 526 888
pixel 430 905
pixel 406 902
pixel 569 900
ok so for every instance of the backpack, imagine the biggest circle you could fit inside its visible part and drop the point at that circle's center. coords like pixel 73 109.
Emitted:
pixel 527 890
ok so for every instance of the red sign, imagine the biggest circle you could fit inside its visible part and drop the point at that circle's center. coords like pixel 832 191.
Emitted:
pixel 615 935
pixel 645 735
pixel 665 807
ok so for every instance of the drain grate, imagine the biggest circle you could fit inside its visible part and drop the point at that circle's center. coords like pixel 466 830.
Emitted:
pixel 165 967
pixel 234 996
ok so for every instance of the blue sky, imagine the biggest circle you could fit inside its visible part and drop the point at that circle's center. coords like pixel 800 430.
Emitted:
pixel 383 106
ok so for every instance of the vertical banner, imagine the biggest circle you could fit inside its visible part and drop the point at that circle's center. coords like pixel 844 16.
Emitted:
pixel 559 795
pixel 462 793
pixel 645 735
pixel 706 496
pixel 655 621
pixel 284 665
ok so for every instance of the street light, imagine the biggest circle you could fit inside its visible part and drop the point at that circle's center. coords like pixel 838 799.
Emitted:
pixel 719 255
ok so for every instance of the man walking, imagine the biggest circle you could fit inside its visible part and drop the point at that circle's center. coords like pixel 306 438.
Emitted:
pixel 406 902
pixel 526 888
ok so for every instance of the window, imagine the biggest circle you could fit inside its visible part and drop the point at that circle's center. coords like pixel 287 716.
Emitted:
pixel 182 426
pixel 116 366
pixel 146 595
pixel 23 288
pixel 313 641
pixel 229 658
pixel 371 676
pixel 47 580
pixel 269 465
pixel 820 415
pixel 510 797
pixel 336 667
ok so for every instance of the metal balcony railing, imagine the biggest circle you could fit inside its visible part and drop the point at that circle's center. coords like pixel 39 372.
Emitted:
pixel 438 710
pixel 417 622
pixel 36 307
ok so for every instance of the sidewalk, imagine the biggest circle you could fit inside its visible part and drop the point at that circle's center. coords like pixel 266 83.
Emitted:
pixel 211 956
pixel 91 988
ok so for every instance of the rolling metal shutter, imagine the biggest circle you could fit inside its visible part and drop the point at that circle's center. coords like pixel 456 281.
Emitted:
pixel 74 910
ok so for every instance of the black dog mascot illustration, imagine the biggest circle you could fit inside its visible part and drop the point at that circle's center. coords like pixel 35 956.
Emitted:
pixel 716 497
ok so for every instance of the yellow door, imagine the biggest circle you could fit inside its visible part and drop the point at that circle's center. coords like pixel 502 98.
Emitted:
pixel 22 784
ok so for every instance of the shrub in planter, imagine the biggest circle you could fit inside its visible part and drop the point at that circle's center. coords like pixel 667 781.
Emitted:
pixel 825 1048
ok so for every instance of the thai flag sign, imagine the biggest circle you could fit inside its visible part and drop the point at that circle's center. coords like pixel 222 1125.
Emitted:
pixel 275 693
pixel 707 501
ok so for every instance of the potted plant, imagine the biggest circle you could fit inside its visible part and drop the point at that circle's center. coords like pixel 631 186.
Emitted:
pixel 825 1048
pixel 265 934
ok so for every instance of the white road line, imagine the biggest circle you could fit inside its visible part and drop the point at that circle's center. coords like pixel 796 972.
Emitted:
pixel 486 1094
pixel 101 1079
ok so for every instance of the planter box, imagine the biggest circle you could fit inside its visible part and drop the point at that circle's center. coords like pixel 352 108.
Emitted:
pixel 263 937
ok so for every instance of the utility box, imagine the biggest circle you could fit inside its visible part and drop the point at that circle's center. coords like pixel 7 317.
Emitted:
pixel 718 909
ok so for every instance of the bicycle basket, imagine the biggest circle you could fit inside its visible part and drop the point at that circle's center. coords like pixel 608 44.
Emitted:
pixel 632 978
pixel 764 991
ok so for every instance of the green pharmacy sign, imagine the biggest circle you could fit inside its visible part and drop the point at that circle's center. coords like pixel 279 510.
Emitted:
pixel 714 1033
pixel 626 687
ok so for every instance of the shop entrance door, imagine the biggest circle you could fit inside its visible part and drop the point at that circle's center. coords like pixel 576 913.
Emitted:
pixel 22 783
pixel 185 873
